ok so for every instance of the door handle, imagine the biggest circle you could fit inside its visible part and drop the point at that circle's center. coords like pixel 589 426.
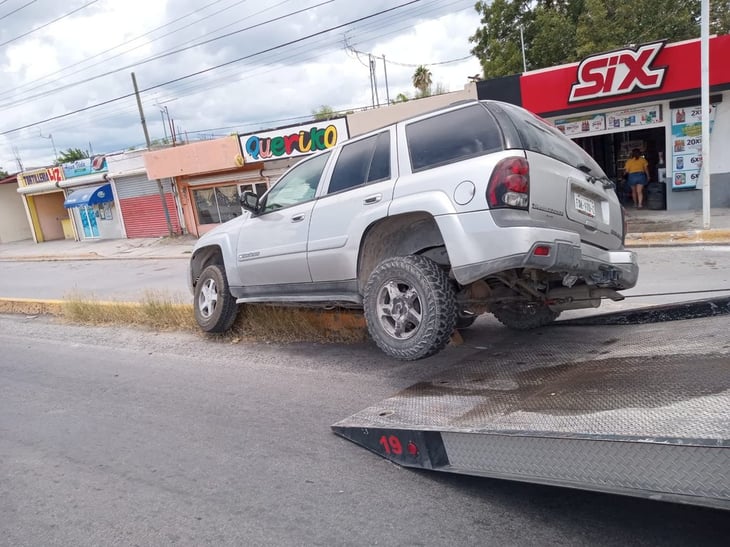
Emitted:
pixel 297 218
pixel 372 199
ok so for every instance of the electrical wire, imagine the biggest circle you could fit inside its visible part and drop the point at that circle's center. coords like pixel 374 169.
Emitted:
pixel 49 23
pixel 130 109
pixel 65 70
pixel 285 55
pixel 17 9
pixel 376 26
pixel 209 69
pixel 158 57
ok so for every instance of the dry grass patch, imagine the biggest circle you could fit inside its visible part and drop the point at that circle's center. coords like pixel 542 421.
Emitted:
pixel 157 310
pixel 290 324
pixel 254 322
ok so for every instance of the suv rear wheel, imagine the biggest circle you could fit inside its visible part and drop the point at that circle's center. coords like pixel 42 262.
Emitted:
pixel 410 307
pixel 524 315
pixel 215 307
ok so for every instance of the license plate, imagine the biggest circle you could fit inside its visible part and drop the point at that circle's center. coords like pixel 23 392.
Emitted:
pixel 585 205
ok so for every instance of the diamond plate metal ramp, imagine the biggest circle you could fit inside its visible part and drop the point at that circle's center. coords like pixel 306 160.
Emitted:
pixel 642 410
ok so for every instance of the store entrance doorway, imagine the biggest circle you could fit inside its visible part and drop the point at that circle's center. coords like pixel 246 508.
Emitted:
pixel 611 152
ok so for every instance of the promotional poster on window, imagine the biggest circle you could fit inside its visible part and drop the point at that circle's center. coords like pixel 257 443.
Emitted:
pixel 616 119
pixel 687 146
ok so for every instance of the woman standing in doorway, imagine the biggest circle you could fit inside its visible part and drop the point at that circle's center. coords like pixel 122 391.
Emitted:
pixel 636 171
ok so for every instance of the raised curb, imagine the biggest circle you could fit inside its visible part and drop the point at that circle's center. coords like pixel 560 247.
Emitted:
pixel 325 319
pixel 70 257
pixel 31 306
pixel 668 239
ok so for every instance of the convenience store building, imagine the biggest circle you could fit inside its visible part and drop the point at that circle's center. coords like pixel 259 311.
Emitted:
pixel 645 97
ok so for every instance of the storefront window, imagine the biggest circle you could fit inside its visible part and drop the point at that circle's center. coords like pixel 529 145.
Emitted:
pixel 258 188
pixel 216 205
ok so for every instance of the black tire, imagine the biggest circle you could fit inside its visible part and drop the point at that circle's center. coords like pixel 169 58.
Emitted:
pixel 465 319
pixel 524 316
pixel 214 305
pixel 410 307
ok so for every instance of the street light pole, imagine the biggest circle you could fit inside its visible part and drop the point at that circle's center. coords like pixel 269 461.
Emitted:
pixel 705 103
pixel 53 144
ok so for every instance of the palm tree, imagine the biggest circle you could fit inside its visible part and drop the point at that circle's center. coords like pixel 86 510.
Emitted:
pixel 422 80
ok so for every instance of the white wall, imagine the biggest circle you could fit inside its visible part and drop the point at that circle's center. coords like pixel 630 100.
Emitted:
pixel 720 138
pixel 14 224
pixel 126 163
pixel 369 120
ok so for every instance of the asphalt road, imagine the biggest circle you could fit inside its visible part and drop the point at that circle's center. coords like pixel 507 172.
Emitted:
pixel 123 437
pixel 673 270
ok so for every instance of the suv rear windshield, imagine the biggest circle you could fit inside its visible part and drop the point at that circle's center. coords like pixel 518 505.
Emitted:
pixel 452 136
pixel 539 136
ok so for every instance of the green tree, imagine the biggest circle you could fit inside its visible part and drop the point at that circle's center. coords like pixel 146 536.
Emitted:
pixel 72 154
pixel 3 173
pixel 400 98
pixel 563 31
pixel 422 81
pixel 497 41
pixel 324 112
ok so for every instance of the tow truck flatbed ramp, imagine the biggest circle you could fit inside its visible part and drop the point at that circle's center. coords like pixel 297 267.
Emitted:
pixel 641 410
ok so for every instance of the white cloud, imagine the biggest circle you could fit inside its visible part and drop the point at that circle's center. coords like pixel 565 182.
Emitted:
pixel 266 90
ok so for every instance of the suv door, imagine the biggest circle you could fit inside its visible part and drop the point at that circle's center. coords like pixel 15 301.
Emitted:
pixel 272 246
pixel 359 192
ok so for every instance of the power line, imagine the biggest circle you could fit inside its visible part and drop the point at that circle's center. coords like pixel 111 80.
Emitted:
pixel 157 57
pixel 188 90
pixel 227 63
pixel 365 34
pixel 64 69
pixel 49 23
pixel 201 86
pixel 17 9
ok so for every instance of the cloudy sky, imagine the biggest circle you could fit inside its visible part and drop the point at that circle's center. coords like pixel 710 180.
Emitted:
pixel 282 59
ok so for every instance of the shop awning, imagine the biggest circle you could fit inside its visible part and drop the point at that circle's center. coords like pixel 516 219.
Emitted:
pixel 89 196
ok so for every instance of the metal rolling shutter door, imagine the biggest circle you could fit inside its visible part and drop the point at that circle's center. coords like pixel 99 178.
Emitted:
pixel 142 209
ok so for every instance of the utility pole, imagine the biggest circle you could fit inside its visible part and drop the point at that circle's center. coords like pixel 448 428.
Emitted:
pixel 149 147
pixel 375 80
pixel 372 88
pixel 385 71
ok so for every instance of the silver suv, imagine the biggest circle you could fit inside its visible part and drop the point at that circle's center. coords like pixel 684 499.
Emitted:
pixel 425 224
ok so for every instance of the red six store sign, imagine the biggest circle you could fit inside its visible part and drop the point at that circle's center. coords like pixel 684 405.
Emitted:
pixel 617 73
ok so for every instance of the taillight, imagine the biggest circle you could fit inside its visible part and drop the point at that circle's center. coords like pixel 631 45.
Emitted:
pixel 509 185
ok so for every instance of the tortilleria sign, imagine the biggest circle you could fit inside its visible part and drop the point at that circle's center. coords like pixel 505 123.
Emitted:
pixel 618 73
pixel 37 176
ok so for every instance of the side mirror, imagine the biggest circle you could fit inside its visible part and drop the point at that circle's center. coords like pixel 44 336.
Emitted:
pixel 250 202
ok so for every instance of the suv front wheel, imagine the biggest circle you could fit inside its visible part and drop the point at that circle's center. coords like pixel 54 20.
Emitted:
pixel 215 307
pixel 410 307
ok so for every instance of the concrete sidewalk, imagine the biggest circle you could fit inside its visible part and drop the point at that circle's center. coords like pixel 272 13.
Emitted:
pixel 135 248
pixel 646 229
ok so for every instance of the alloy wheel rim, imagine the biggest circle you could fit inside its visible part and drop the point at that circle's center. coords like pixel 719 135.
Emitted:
pixel 208 298
pixel 399 309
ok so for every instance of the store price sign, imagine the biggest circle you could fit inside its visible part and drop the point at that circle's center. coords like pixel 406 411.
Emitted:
pixel 687 146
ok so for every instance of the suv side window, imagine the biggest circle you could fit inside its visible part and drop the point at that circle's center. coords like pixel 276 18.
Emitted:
pixel 361 162
pixel 539 136
pixel 296 186
pixel 453 136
